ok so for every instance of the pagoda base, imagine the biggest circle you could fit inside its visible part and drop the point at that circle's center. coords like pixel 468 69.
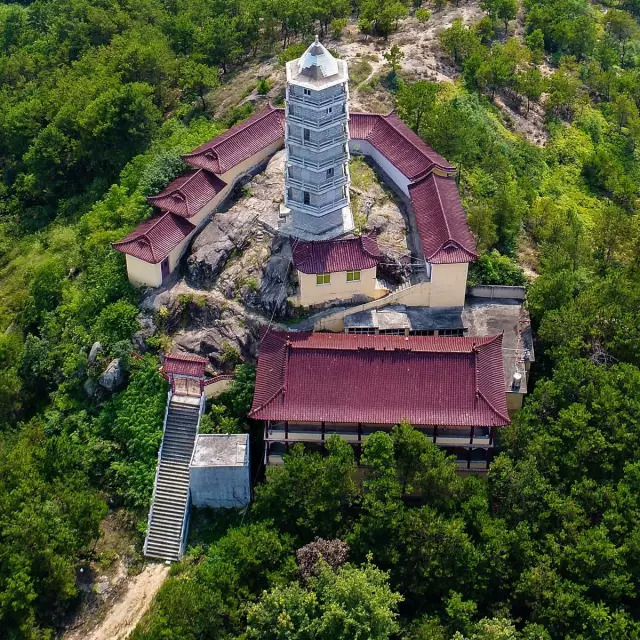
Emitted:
pixel 309 228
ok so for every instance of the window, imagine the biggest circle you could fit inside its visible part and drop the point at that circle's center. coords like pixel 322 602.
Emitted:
pixel 391 332
pixel 367 331
pixel 330 172
pixel 329 109
pixel 353 276
pixel 290 109
pixel 306 197
pixel 323 278
pixel 422 332
pixel 307 134
pixel 307 92
pixel 451 332
pixel 290 193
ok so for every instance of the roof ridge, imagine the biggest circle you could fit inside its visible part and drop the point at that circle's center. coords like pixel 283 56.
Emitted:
pixel 240 127
pixel 490 405
pixel 446 222
pixel 144 234
pixel 420 151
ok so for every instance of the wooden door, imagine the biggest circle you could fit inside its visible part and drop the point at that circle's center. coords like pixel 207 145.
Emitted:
pixel 164 269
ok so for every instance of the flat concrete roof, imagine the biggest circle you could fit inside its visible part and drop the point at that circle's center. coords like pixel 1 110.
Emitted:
pixel 221 450
pixel 412 318
pixel 484 317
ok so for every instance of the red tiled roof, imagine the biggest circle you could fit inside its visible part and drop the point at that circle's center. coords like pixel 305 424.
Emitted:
pixel 441 221
pixel 333 377
pixel 184 364
pixel 329 256
pixel 186 195
pixel 154 239
pixel 406 151
pixel 240 142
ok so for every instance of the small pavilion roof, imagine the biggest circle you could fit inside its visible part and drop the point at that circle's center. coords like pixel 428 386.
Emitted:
pixel 185 364
pixel 154 239
pixel 343 254
pixel 240 142
pixel 186 195
pixel 441 221
pixel 372 379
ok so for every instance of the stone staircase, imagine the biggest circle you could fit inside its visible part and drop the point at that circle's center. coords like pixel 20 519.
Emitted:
pixel 168 517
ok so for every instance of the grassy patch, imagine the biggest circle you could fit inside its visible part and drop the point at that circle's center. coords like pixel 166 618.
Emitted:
pixel 359 71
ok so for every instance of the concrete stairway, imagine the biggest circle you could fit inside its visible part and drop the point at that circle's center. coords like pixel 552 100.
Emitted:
pixel 167 522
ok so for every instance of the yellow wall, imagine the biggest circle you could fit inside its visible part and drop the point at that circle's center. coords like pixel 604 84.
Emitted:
pixel 448 284
pixel 417 295
pixel 310 292
pixel 514 402
pixel 143 274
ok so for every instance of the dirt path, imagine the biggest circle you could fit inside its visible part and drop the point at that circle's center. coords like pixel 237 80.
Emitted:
pixel 123 616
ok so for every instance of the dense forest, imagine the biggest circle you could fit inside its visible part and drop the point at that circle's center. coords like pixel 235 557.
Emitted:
pixel 98 100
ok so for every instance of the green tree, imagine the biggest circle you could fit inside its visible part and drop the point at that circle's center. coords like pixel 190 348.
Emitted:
pixel 310 495
pixel 459 41
pixel 354 602
pixel 415 101
pixel 530 83
pixel 504 10
pixel 197 79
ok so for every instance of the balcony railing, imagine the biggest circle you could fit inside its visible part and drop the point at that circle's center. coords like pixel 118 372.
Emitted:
pixel 317 124
pixel 326 185
pixel 311 433
pixel 317 145
pixel 313 101
pixel 318 163
pixel 316 210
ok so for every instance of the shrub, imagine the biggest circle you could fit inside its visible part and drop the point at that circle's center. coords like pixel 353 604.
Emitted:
pixel 494 268
pixel 263 86
pixel 422 15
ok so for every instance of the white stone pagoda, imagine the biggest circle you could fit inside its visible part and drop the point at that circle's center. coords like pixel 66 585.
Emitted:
pixel 317 146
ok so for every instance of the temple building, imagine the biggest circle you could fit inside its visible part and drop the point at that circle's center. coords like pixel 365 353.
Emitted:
pixel 341 269
pixel 312 385
pixel 317 145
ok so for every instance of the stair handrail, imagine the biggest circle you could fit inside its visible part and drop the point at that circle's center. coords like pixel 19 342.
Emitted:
pixel 187 511
pixel 155 480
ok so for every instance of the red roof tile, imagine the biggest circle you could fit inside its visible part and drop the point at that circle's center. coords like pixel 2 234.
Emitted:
pixel 240 142
pixel 333 377
pixel 441 221
pixel 186 195
pixel 329 256
pixel 154 239
pixel 406 151
pixel 185 364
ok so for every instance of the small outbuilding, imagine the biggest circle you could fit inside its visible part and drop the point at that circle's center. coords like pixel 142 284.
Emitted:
pixel 219 471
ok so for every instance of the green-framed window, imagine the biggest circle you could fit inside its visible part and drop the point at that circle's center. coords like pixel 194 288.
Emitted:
pixel 323 278
pixel 353 276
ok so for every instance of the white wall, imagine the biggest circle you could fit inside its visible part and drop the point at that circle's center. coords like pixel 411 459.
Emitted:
pixel 367 149
pixel 220 486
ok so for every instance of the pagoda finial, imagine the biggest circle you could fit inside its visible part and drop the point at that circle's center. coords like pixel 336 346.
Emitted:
pixel 317 40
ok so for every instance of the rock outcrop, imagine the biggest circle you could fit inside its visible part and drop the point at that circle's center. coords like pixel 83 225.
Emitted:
pixel 112 378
